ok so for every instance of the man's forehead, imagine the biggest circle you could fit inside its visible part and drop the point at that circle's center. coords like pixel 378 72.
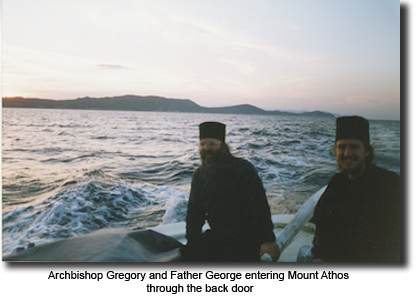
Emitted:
pixel 209 140
pixel 349 142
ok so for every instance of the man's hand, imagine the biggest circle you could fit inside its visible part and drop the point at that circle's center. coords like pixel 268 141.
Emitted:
pixel 270 248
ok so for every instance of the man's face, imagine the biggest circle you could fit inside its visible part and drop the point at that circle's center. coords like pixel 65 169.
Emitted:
pixel 208 147
pixel 351 155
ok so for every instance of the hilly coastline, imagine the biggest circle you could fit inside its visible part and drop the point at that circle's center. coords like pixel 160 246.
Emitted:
pixel 144 103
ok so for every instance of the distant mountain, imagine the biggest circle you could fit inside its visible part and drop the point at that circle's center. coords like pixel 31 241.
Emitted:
pixel 144 103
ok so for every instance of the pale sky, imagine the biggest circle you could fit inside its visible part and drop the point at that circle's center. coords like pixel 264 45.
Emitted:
pixel 340 56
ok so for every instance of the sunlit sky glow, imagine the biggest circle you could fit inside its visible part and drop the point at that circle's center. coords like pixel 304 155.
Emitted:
pixel 336 55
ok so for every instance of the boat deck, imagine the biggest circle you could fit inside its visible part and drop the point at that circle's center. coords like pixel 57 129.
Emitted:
pixel 305 236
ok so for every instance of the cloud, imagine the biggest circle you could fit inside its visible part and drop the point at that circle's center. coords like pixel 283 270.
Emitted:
pixel 111 66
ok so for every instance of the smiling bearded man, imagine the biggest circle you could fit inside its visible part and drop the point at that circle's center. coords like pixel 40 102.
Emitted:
pixel 358 216
pixel 227 193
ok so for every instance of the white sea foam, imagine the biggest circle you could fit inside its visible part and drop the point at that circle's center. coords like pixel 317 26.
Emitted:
pixel 89 206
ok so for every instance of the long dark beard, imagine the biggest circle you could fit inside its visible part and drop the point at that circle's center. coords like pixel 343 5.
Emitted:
pixel 217 162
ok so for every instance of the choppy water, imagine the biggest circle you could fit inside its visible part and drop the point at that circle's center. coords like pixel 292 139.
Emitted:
pixel 69 172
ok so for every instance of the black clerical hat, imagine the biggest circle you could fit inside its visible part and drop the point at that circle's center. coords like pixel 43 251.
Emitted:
pixel 212 130
pixel 353 127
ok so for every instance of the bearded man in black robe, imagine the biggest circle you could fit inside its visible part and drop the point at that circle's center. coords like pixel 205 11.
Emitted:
pixel 358 216
pixel 227 193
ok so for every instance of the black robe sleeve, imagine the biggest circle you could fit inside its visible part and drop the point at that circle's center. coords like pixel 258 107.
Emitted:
pixel 195 217
pixel 258 210
pixel 322 241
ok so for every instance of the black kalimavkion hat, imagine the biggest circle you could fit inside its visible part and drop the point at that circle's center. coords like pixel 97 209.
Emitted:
pixel 212 130
pixel 353 127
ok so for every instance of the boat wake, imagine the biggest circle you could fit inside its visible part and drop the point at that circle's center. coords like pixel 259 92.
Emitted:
pixel 86 205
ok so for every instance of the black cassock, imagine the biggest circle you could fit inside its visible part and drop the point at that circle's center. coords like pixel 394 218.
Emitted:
pixel 234 203
pixel 359 221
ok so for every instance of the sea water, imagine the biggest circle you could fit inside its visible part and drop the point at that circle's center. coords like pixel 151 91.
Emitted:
pixel 70 172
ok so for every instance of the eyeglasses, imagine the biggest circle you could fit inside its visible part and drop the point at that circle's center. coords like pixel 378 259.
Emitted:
pixel 209 143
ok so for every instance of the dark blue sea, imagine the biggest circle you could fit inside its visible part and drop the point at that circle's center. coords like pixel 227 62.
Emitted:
pixel 70 172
